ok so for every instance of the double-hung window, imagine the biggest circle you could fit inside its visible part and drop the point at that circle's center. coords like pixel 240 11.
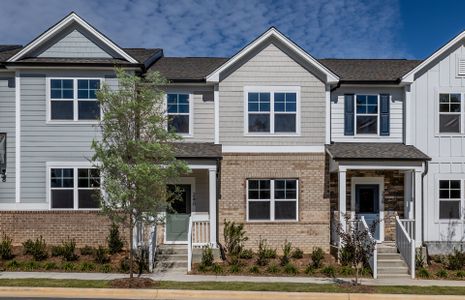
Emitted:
pixel 179 109
pixel 450 199
pixel 74 188
pixel 272 199
pixel 450 113
pixel 271 110
pixel 366 109
pixel 73 99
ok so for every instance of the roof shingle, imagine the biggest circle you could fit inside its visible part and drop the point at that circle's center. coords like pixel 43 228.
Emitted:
pixel 197 150
pixel 187 68
pixel 375 151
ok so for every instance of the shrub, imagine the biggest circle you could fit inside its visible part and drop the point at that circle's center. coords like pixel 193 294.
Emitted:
pixel 329 271
pixel 115 243
pixel 265 253
pixel 273 269
pixel 124 265
pixel 68 250
pixel 56 251
pixel 50 266
pixel 27 247
pixel 235 268
pixel 207 256
pixel 6 249
pixel 317 257
pixel 31 266
pixel 246 254
pixel 297 253
pixel 87 250
pixel 234 238
pixel 460 274
pixel 310 270
pixel 68 267
pixel 106 268
pixel 346 255
pixel 217 269
pixel 203 268
pixel 419 259
pixel 423 273
pixel 366 271
pixel 441 273
pixel 254 270
pixel 287 248
pixel 290 269
pixel 456 260
pixel 37 248
pixel 141 259
pixel 13 265
pixel 346 271
pixel 87 266
pixel 101 256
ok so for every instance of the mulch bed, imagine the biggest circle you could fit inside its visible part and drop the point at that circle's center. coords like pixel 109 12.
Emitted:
pixel 133 283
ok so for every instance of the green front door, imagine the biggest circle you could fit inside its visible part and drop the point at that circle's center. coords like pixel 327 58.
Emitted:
pixel 177 217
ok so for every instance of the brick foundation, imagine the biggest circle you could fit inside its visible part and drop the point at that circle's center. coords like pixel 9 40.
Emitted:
pixel 310 231
pixel 86 227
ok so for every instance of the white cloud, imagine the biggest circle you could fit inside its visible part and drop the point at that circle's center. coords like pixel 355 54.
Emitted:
pixel 336 28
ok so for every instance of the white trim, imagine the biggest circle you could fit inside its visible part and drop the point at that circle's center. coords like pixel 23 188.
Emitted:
pixel 63 23
pixel 274 149
pixel 191 110
pixel 370 180
pixel 272 90
pixel 448 176
pixel 216 100
pixel 408 117
pixel 379 167
pixel 328 114
pixel 24 206
pixel 212 206
pixel 438 113
pixel 273 32
pixel 17 137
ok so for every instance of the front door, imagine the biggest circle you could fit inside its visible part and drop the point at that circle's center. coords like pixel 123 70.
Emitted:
pixel 367 205
pixel 177 216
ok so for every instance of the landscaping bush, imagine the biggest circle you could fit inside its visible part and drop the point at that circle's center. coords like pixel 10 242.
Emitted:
pixel 37 248
pixel 207 256
pixel 297 253
pixel 236 268
pixel 290 269
pixel 346 271
pixel 13 265
pixel 234 238
pixel 105 268
pixel 115 243
pixel 346 255
pixel 287 248
pixel 31 266
pixel 50 266
pixel 246 254
pixel 68 248
pixel 124 265
pixel 201 268
pixel 273 269
pixel 419 259
pixel 310 270
pixel 460 274
pixel 423 273
pixel 329 271
pixel 87 250
pixel 456 260
pixel 317 257
pixel 87 266
pixel 254 270
pixel 6 249
pixel 101 256
pixel 217 269
pixel 56 251
pixel 441 273
pixel 27 247
pixel 265 253
pixel 68 267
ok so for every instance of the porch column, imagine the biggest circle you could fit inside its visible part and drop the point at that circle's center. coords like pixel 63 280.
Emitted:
pixel 342 198
pixel 212 205
pixel 408 195
pixel 418 207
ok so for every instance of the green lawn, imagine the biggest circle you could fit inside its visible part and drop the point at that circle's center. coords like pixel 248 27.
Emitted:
pixel 245 286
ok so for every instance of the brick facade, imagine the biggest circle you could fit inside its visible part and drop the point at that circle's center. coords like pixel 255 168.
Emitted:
pixel 86 227
pixel 312 228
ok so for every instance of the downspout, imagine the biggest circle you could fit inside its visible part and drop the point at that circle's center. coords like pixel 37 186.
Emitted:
pixel 218 196
pixel 425 172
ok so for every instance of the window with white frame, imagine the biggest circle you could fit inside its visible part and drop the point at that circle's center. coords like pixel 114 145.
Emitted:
pixel 74 188
pixel 450 113
pixel 366 114
pixel 74 99
pixel 450 199
pixel 179 117
pixel 272 199
pixel 272 112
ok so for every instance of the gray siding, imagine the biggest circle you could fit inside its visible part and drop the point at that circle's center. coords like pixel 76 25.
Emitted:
pixel 396 115
pixel 42 142
pixel 7 125
pixel 272 67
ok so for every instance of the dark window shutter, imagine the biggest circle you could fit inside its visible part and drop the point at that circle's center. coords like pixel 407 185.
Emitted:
pixel 349 114
pixel 384 115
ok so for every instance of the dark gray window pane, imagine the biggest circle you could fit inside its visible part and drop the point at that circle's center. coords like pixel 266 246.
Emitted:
pixel 444 107
pixel 55 84
pixel 55 94
pixel 291 107
pixel 284 123
pixel 279 184
pixel 183 108
pixel 449 209
pixel 259 123
pixel 285 210
pixel 253 184
pixel 94 84
pixel 444 184
pixel 264 106
pixel 444 98
pixel 259 210
pixel 68 94
pixel 253 106
pixel 449 123
pixel 61 110
pixel 367 124
pixel 265 184
pixel 183 99
pixel 83 94
pixel 455 184
pixel 172 98
pixel 372 109
pixel 444 194
pixel 253 97
pixel 83 84
pixel 253 194
pixel 279 194
pixel 68 84
pixel 455 108
pixel 279 107
pixel 179 124
pixel 88 110
pixel 455 194
pixel 372 100
pixel 88 199
pixel 264 194
pixel 62 198
pixel 455 98
pixel 172 108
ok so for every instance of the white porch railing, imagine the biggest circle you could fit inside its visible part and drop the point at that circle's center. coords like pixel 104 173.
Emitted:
pixel 405 244
pixel 373 260
pixel 409 225
pixel 198 235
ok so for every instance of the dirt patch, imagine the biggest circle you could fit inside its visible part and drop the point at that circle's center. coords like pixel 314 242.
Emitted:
pixel 133 283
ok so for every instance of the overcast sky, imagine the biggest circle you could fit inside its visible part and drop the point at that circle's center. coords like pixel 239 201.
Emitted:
pixel 336 28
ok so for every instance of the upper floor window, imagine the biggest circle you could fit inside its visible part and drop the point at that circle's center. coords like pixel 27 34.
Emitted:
pixel 366 114
pixel 450 112
pixel 269 111
pixel 179 113
pixel 74 100
pixel 449 199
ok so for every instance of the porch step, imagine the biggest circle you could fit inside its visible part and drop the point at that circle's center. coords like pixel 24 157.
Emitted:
pixel 382 263
pixel 171 259
pixel 172 250
pixel 387 249
pixel 171 264
pixel 390 263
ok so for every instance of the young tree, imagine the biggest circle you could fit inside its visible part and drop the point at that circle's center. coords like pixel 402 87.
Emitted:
pixel 357 240
pixel 134 152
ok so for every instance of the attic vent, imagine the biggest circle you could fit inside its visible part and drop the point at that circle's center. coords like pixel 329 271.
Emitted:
pixel 461 67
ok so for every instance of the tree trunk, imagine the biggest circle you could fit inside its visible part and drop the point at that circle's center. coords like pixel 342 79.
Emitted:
pixel 131 246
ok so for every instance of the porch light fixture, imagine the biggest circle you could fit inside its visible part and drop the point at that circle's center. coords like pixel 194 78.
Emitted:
pixel 3 156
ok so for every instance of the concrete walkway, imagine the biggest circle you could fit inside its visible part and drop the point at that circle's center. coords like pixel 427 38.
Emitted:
pixel 203 278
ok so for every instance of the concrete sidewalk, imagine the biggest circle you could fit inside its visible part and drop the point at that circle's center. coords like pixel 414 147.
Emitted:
pixel 204 278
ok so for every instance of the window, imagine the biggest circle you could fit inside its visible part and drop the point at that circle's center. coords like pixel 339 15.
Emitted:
pixel 450 113
pixel 74 100
pixel 272 199
pixel 272 112
pixel 366 109
pixel 179 113
pixel 74 188
pixel 449 199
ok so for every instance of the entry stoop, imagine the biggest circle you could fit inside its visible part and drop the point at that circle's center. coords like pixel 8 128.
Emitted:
pixel 171 258
pixel 390 263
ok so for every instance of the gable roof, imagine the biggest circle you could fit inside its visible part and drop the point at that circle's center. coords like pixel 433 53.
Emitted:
pixel 273 33
pixel 409 77
pixel 187 69
pixel 375 151
pixel 52 31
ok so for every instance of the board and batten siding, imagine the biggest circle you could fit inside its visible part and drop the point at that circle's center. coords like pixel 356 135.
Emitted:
pixel 42 142
pixel 7 125
pixel 271 67
pixel 203 111
pixel 446 150
pixel 396 115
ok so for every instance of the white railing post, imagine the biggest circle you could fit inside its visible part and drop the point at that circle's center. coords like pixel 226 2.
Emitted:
pixel 405 243
pixel 189 246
